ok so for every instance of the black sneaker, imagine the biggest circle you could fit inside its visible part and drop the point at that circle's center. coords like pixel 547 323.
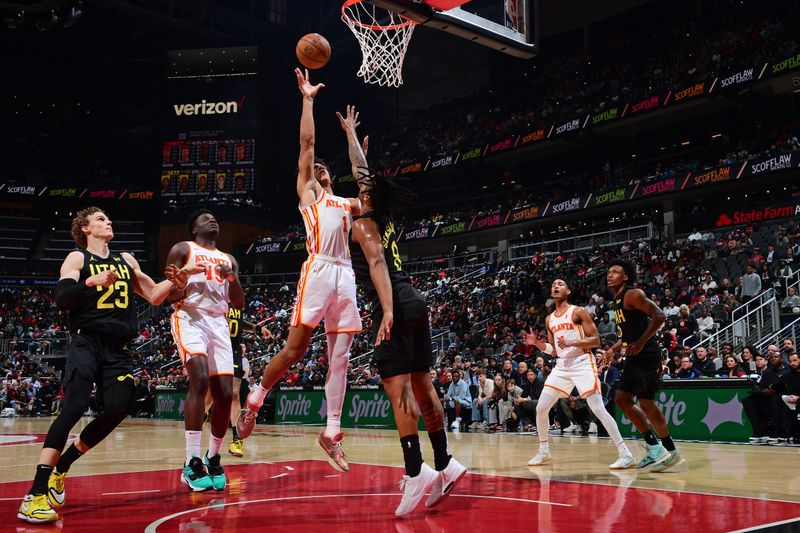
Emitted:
pixel 215 471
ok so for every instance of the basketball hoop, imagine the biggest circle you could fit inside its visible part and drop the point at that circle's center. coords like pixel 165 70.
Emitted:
pixel 383 46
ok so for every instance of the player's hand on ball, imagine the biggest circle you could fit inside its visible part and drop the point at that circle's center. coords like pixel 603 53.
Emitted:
pixel 385 329
pixel 226 272
pixel 103 279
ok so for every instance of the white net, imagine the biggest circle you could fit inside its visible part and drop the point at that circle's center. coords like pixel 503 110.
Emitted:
pixel 383 44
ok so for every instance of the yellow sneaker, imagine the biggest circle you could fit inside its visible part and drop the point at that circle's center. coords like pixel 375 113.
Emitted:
pixel 236 448
pixel 37 510
pixel 56 494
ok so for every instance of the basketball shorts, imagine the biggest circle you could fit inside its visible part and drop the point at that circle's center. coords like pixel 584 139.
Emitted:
pixel 574 373
pixel 103 359
pixel 640 377
pixel 198 334
pixel 327 290
pixel 409 346
pixel 238 370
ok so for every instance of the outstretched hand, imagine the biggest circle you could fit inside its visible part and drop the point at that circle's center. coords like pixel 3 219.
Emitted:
pixel 304 84
pixel 532 339
pixel 350 121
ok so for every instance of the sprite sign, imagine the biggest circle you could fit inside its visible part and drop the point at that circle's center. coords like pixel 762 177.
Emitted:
pixel 365 407
pixel 169 405
pixel 700 414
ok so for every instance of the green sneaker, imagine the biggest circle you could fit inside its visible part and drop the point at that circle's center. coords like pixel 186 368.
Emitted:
pixel 655 454
pixel 673 459
pixel 194 475
pixel 215 471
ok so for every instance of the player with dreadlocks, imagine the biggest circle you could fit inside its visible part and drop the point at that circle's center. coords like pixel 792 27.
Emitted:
pixel 404 357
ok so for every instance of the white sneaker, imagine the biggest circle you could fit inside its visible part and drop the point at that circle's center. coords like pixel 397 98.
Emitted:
pixel 624 462
pixel 456 424
pixel 592 427
pixel 540 458
pixel 445 481
pixel 414 489
pixel 573 428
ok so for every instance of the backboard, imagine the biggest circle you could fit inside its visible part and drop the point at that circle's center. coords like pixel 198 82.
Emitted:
pixel 509 26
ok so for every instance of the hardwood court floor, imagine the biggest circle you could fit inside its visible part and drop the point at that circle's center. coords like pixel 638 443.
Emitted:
pixel 130 483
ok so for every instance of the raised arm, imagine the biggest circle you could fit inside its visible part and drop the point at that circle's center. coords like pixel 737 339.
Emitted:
pixel 308 190
pixel 355 150
pixel 367 234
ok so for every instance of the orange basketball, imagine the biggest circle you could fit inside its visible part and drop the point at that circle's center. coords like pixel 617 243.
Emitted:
pixel 313 51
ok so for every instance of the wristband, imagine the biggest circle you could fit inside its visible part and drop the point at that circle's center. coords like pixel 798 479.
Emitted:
pixel 548 348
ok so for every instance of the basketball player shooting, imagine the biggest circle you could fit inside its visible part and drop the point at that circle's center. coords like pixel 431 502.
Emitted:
pixel 326 289
pixel 571 336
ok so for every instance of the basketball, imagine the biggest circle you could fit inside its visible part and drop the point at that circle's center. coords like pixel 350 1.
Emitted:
pixel 313 51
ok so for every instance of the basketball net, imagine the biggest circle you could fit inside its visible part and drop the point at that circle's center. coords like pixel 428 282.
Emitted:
pixel 383 46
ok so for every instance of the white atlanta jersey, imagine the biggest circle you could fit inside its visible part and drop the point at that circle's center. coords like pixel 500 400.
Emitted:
pixel 563 327
pixel 574 366
pixel 206 291
pixel 328 222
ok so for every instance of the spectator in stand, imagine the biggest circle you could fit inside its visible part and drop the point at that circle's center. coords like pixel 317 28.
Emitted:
pixel 494 402
pixel 787 349
pixel 480 405
pixel 731 369
pixel 509 419
pixel 607 329
pixel 508 372
pixel 791 303
pixel 529 397
pixel 457 399
pixel 751 284
pixel 686 325
pixel 705 325
pixel 748 358
pixel 702 363
pixel 686 371
pixel 789 387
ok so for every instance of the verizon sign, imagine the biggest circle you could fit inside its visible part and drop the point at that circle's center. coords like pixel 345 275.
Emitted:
pixel 209 108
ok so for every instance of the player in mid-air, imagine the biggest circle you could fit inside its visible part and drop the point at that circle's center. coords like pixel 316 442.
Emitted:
pixel 571 336
pixel 96 287
pixel 201 333
pixel 638 318
pixel 326 289
pixel 403 354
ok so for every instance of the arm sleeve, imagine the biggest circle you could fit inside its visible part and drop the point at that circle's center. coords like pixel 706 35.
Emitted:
pixel 69 294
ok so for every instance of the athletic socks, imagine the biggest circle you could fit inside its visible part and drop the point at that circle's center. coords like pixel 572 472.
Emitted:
pixel 668 444
pixel 441 455
pixel 650 438
pixel 67 458
pixel 192 444
pixel 412 455
pixel 544 446
pixel 214 445
pixel 258 394
pixel 40 480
